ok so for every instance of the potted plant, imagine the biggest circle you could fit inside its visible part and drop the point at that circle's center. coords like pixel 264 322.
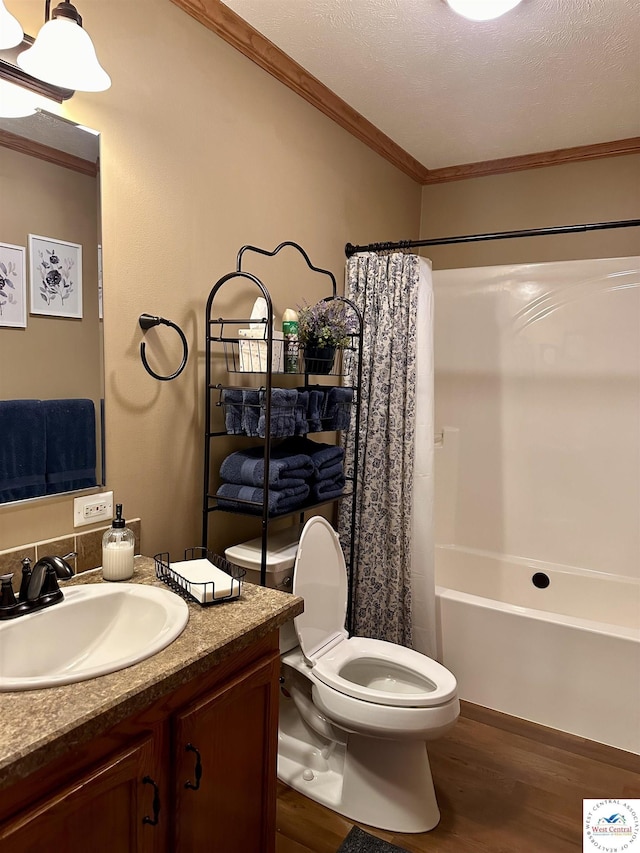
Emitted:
pixel 323 328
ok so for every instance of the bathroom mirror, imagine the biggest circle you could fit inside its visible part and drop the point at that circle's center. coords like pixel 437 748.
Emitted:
pixel 51 342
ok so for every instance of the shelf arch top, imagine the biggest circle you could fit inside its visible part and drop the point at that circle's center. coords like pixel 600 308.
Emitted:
pixel 278 249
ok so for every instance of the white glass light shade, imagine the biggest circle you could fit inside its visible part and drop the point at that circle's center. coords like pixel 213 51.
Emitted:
pixel 63 55
pixel 16 102
pixel 10 30
pixel 482 10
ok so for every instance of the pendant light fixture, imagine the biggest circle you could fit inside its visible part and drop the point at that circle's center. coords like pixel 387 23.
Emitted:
pixel 10 29
pixel 63 53
pixel 16 102
pixel 482 10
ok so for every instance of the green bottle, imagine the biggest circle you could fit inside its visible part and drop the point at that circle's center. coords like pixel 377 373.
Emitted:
pixel 290 334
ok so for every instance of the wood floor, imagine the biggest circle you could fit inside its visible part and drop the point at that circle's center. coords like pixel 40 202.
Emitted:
pixel 503 786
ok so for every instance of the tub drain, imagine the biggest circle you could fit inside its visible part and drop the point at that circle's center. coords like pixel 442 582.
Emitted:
pixel 540 580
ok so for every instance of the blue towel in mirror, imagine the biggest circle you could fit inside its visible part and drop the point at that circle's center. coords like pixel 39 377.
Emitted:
pixel 71 445
pixel 22 450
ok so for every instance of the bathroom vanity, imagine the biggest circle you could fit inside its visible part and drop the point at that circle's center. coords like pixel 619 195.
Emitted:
pixel 176 753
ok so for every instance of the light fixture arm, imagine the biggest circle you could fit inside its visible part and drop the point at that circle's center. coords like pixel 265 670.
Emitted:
pixel 12 73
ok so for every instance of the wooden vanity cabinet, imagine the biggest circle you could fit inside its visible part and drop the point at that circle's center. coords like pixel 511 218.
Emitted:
pixel 102 811
pixel 226 767
pixel 205 754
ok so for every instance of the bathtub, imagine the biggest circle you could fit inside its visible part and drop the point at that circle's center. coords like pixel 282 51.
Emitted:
pixel 564 653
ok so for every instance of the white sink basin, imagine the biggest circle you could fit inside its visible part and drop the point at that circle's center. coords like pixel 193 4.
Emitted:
pixel 96 629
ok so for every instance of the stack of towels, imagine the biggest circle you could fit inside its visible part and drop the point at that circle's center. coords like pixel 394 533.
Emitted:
pixel 299 470
pixel 293 411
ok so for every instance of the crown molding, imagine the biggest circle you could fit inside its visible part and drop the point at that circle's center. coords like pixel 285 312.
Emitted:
pixel 50 155
pixel 542 159
pixel 233 29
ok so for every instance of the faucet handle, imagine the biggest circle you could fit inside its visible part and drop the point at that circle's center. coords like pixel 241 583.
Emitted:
pixel 7 596
pixel 26 576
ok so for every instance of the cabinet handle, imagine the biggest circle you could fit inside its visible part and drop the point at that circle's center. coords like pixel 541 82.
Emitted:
pixel 198 768
pixel 156 802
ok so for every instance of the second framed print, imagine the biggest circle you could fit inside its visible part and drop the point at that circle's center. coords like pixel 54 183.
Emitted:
pixel 13 291
pixel 55 274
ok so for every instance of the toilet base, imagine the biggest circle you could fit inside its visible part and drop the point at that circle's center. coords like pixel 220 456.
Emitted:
pixel 382 783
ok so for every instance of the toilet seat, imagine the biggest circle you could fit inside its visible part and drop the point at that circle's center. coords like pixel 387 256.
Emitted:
pixel 385 673
pixel 369 670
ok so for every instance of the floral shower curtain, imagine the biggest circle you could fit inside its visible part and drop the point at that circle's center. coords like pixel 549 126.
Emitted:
pixel 385 289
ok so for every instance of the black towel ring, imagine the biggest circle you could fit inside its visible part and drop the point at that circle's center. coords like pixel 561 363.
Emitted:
pixel 147 321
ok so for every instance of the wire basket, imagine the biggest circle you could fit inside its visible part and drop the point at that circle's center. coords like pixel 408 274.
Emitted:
pixel 202 592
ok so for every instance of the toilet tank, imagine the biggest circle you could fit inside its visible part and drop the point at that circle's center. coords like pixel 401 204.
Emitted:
pixel 281 556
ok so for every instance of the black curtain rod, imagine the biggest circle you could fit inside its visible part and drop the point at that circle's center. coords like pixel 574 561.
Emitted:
pixel 350 249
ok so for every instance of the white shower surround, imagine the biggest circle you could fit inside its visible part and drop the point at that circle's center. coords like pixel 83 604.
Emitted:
pixel 538 401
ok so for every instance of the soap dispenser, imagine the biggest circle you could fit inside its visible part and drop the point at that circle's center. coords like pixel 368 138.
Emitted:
pixel 117 550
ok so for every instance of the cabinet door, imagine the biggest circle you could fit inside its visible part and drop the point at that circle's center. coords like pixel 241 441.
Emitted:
pixel 102 811
pixel 226 747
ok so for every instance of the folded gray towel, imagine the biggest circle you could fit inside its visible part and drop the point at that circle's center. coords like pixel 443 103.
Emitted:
pixel 232 401
pixel 246 467
pixel 280 500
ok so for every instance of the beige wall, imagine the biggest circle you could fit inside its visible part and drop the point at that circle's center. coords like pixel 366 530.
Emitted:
pixel 577 193
pixel 201 153
pixel 42 361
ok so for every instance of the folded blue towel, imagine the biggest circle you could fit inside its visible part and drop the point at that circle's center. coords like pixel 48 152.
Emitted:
pixel 232 401
pixel 283 412
pixel 22 450
pixel 326 490
pixel 71 445
pixel 314 409
pixel 246 467
pixel 337 414
pixel 302 407
pixel 250 411
pixel 323 456
pixel 280 500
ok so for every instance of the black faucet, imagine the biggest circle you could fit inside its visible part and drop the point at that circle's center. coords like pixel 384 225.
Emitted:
pixel 43 588
pixel 39 587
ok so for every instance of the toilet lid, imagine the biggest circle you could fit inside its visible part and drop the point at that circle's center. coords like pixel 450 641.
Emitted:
pixel 320 577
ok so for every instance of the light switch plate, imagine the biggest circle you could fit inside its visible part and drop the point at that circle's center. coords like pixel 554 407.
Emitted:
pixel 92 508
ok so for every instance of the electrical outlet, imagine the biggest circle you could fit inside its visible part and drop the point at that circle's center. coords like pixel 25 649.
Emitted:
pixel 92 508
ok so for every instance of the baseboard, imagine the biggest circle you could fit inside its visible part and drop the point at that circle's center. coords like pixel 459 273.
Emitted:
pixel 551 737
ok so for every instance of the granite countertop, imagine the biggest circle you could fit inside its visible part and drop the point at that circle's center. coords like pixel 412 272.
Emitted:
pixel 40 725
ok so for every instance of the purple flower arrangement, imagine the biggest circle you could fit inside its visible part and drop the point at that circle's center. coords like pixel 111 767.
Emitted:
pixel 326 324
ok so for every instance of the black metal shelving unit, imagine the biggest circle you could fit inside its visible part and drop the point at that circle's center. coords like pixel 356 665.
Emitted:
pixel 222 340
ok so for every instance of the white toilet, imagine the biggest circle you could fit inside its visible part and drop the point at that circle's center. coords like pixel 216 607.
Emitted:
pixel 355 713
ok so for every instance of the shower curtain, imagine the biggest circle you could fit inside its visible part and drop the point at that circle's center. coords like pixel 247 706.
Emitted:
pixel 385 288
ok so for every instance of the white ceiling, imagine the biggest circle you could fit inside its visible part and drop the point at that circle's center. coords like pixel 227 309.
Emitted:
pixel 550 74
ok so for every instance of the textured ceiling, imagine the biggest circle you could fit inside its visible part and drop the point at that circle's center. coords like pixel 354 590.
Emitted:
pixel 550 74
